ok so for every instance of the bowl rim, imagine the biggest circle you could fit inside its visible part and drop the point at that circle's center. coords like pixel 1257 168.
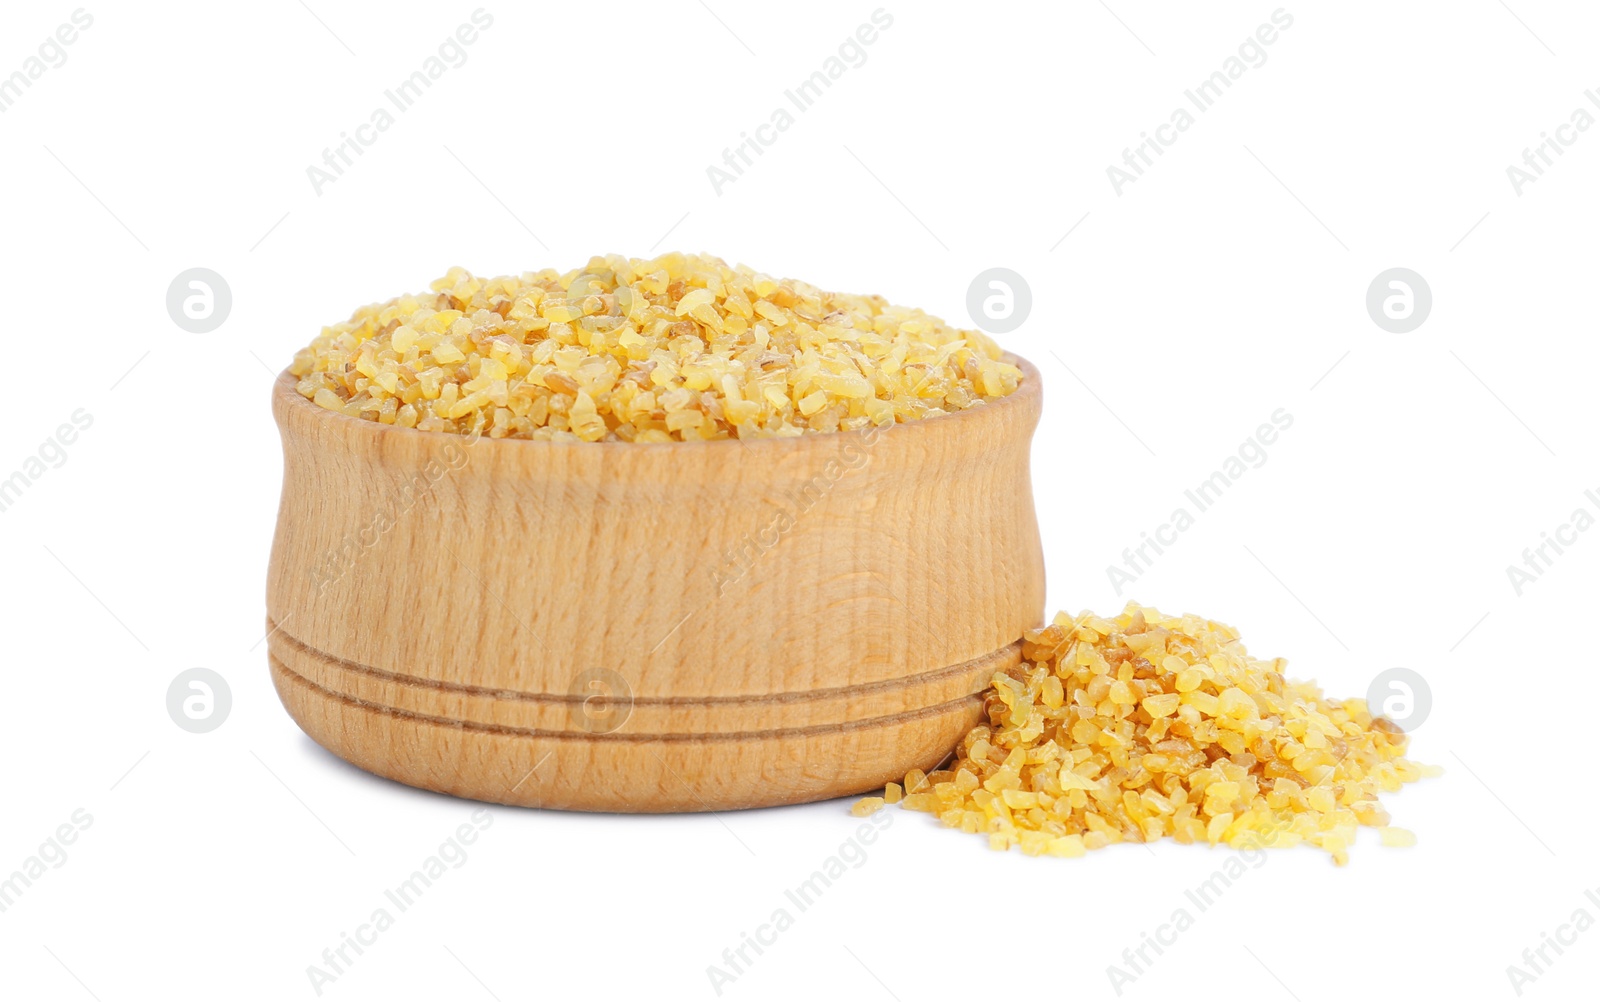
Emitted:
pixel 1028 392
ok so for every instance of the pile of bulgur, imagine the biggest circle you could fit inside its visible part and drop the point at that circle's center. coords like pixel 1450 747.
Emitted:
pixel 1145 726
pixel 677 348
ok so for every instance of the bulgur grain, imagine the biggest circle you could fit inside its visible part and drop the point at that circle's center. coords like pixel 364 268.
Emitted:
pixel 678 348
pixel 1145 726
pixel 866 806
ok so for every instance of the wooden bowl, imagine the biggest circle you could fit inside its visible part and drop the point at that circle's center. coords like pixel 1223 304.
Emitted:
pixel 669 627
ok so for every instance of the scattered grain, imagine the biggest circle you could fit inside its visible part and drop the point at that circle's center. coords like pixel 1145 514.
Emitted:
pixel 866 805
pixel 1146 725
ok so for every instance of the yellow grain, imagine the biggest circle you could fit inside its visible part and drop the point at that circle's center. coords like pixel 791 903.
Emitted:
pixel 669 349
pixel 1105 734
pixel 865 806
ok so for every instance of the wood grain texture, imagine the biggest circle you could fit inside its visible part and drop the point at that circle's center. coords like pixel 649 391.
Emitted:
pixel 684 626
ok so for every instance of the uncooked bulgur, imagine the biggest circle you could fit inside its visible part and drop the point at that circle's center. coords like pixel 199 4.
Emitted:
pixel 1145 726
pixel 677 348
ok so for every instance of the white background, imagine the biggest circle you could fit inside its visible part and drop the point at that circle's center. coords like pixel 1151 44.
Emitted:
pixel 1227 282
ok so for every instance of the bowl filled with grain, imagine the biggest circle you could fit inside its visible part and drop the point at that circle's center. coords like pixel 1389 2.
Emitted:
pixel 649 535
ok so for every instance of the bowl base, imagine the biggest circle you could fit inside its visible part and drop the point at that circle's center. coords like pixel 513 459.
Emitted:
pixel 488 745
